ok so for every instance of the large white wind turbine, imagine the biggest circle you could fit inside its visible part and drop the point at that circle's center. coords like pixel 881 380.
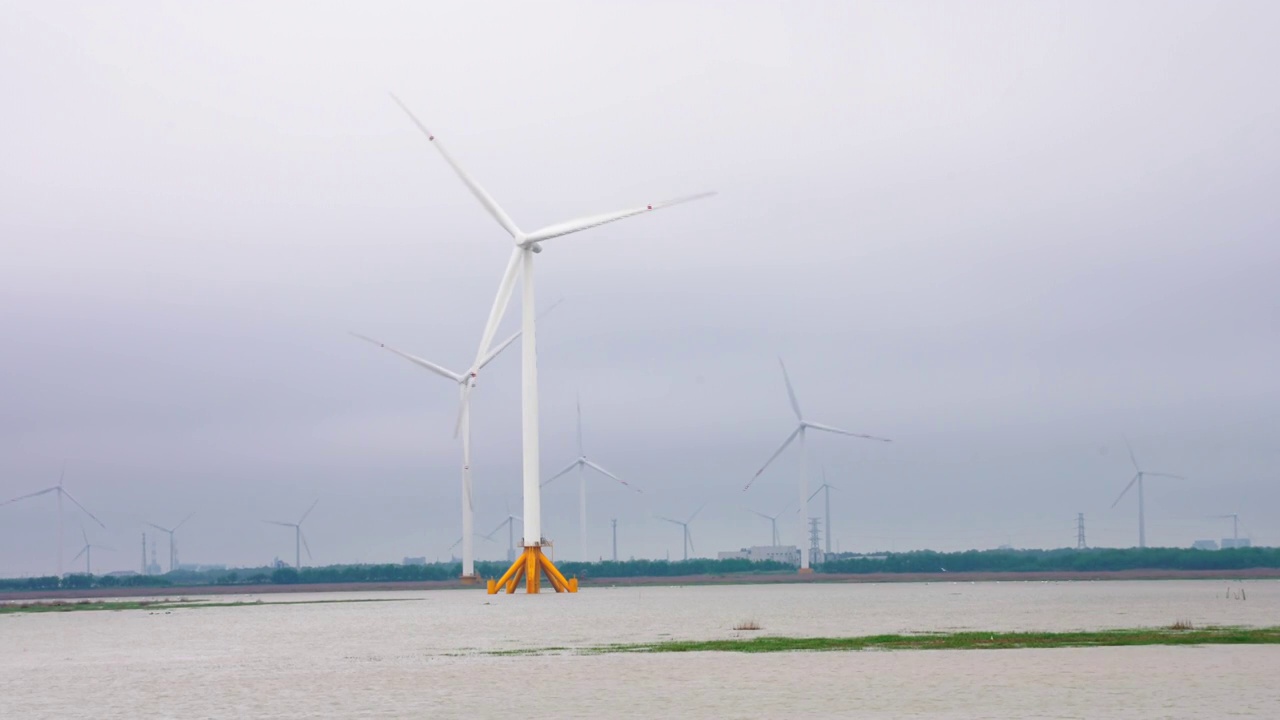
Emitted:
pixel 61 492
pixel 87 552
pixel 799 432
pixel 688 538
pixel 581 464
pixel 464 428
pixel 299 540
pixel 1137 478
pixel 173 552
pixel 521 264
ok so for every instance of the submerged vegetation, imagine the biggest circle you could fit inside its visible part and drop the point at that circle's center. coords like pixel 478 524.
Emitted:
pixel 1177 634
pixel 924 561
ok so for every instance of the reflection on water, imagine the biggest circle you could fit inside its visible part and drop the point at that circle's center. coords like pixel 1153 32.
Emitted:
pixel 414 658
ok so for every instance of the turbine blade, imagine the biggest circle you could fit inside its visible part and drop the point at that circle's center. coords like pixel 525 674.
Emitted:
pixel 456 543
pixel 673 522
pixel 184 521
pixel 272 522
pixel 572 465
pixel 689 534
pixel 505 287
pixel 442 372
pixel 305 546
pixel 599 469
pixel 82 508
pixel 695 513
pixel 1164 475
pixel 464 408
pixel 1133 458
pixel 30 495
pixel 495 530
pixel 1126 489
pixel 791 393
pixel 168 530
pixel 503 345
pixel 828 428
pixel 84 535
pixel 815 493
pixel 82 551
pixel 573 226
pixel 308 512
pixel 773 457
pixel 488 202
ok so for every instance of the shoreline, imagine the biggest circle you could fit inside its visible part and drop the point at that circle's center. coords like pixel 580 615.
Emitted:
pixel 733 579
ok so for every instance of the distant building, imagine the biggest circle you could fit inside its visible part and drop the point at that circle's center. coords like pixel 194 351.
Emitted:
pixel 201 567
pixel 122 573
pixel 1204 545
pixel 1234 543
pixel 788 554
pixel 414 561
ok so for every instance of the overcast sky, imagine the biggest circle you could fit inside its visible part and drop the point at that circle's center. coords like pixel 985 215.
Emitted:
pixel 1004 234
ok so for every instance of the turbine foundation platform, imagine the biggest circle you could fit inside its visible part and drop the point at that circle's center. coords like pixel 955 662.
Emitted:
pixel 530 567
pixel 469 579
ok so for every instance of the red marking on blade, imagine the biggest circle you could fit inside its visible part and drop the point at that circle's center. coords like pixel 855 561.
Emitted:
pixel 431 137
pixel 650 207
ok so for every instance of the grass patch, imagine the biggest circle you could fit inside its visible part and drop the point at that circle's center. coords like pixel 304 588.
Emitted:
pixel 13 608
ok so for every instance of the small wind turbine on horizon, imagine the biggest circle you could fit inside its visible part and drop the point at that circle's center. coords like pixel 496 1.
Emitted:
pixel 87 552
pixel 773 524
pixel 61 492
pixel 299 539
pixel 802 426
pixel 581 464
pixel 1235 526
pixel 1137 478
pixel 684 524
pixel 826 488
pixel 520 265
pixel 510 523
pixel 173 553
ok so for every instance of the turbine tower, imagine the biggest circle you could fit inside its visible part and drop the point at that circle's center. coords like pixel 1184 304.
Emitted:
pixel 87 552
pixel 173 552
pixel 461 379
pixel 826 489
pixel 1137 478
pixel 60 492
pixel 803 426
pixel 684 524
pixel 299 540
pixel 533 562
pixel 581 465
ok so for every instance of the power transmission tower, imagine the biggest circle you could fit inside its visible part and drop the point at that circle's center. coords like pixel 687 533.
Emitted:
pixel 815 540
pixel 1080 543
pixel 615 539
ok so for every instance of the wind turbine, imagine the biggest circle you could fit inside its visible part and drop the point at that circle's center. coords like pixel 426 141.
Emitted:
pixel 1235 527
pixel 299 540
pixel 464 428
pixel 510 523
pixel 826 488
pixel 802 426
pixel 60 491
pixel 521 264
pixel 87 552
pixel 773 522
pixel 688 539
pixel 581 464
pixel 173 553
pixel 1137 478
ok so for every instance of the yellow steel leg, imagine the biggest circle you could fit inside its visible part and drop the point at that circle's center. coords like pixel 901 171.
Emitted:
pixel 529 567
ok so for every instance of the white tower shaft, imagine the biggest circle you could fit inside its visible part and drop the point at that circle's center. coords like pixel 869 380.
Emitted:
pixel 529 404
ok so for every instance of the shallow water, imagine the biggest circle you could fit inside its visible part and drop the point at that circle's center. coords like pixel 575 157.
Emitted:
pixel 418 656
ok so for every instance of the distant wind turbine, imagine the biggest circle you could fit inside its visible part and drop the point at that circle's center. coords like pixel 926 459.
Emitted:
pixel 688 538
pixel 60 491
pixel 773 523
pixel 299 540
pixel 87 552
pixel 826 488
pixel 173 552
pixel 581 464
pixel 520 266
pixel 1137 478
pixel 510 524
pixel 1235 527
pixel 802 426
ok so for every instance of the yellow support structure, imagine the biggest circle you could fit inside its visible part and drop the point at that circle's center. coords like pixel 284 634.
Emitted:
pixel 530 567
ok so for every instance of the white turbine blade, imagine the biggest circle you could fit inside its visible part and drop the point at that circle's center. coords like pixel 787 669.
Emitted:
pixel 30 495
pixel 1132 457
pixel 168 530
pixel 308 512
pixel 1126 489
pixel 695 513
pixel 488 202
pixel 601 470
pixel 791 393
pixel 516 336
pixel 455 543
pixel 689 534
pixel 815 493
pixel 572 465
pixel 305 546
pixel 766 517
pixel 442 372
pixel 578 400
pixel 82 508
pixel 272 522
pixel 773 457
pixel 82 551
pixel 673 522
pixel 184 522
pixel 500 303
pixel 1164 475
pixel 84 535
pixel 573 226
pixel 828 428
